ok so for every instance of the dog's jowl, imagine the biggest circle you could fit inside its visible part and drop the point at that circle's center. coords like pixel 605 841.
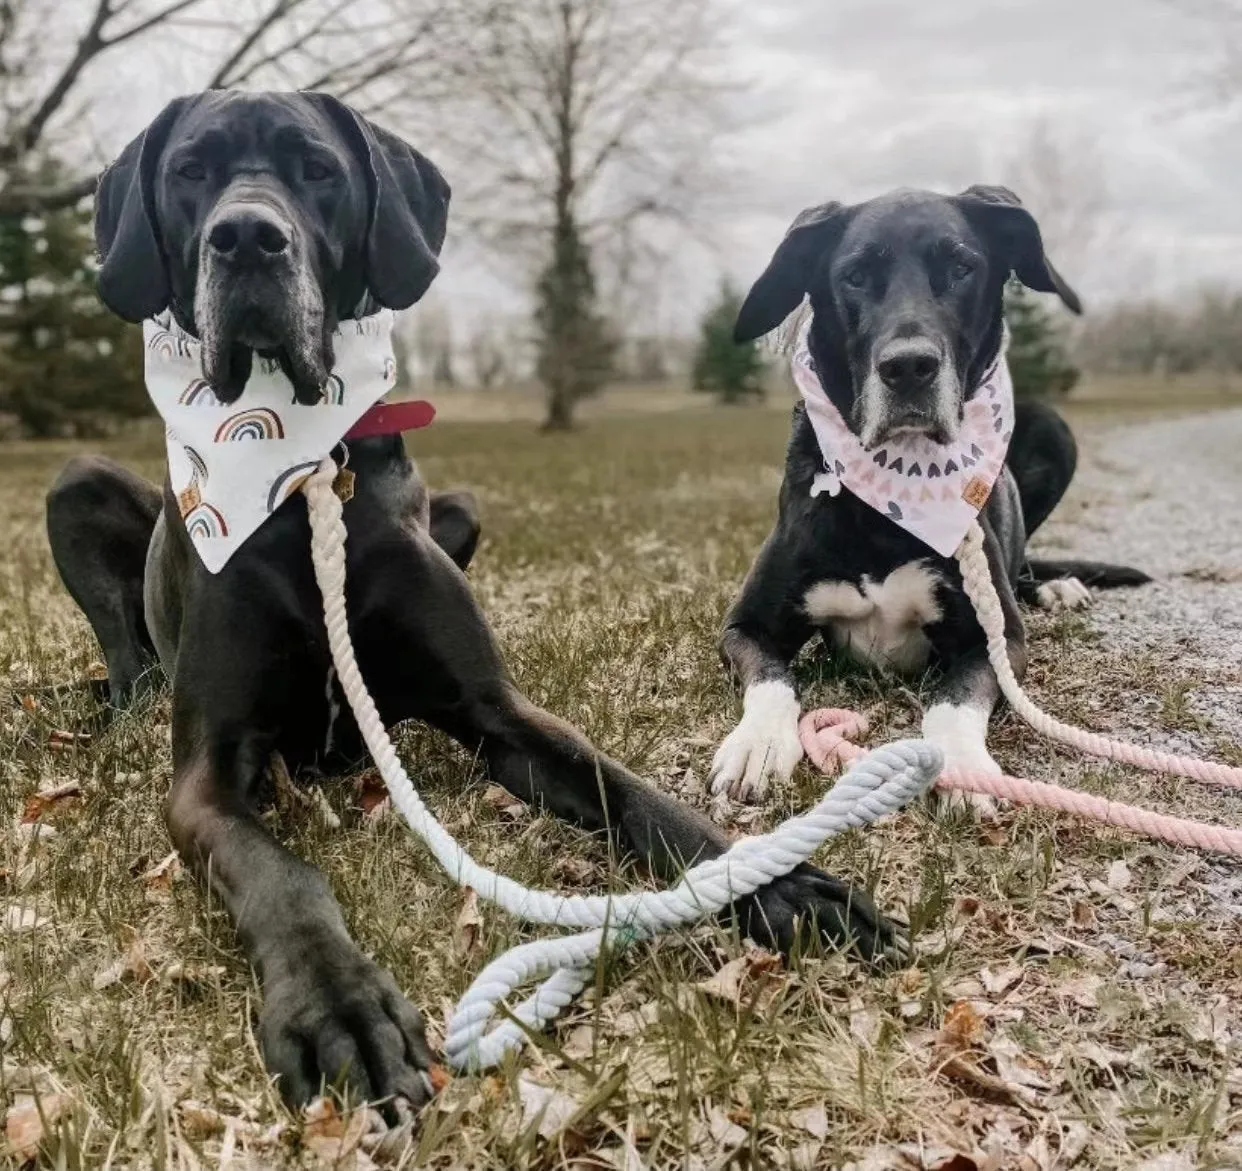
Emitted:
pixel 907 430
pixel 263 223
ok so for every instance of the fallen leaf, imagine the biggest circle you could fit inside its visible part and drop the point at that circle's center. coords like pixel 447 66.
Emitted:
pixel 634 1020
pixel 962 1027
pixel 28 1121
pixel 998 983
pixel 1169 1161
pixel 30 704
pixel 934 1157
pixel 199 1121
pixel 164 873
pixel 59 740
pixel 133 965
pixel 962 1069
pixel 370 791
pixel 1082 990
pixel 19 919
pixel 504 802
pixel 468 935
pixel 192 973
pixel 727 984
pixel 812 1119
pixel 1015 1066
pixel 549 1110
pixel 1102 1056
pixel 438 1076
pixel 321 1119
pixel 1084 914
pixel 1118 875
pixel 574 870
pixel 47 799
pixel 726 1132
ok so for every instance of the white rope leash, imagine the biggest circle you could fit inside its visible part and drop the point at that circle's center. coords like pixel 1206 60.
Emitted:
pixel 977 581
pixel 882 783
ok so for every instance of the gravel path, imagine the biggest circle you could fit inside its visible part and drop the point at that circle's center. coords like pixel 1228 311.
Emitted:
pixel 1166 496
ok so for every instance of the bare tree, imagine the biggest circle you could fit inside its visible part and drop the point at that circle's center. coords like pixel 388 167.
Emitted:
pixel 362 50
pixel 1060 176
pixel 585 119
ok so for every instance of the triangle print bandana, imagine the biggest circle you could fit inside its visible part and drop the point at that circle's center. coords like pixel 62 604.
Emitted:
pixel 232 466
pixel 932 490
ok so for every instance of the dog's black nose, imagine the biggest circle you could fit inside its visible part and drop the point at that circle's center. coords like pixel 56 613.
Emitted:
pixel 248 235
pixel 908 365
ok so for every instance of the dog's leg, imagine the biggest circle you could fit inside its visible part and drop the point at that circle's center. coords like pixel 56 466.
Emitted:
pixel 330 1015
pixel 761 638
pixel 426 643
pixel 99 523
pixel 957 719
pixel 455 525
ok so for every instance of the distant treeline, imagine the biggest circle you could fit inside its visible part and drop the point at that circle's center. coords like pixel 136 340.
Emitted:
pixel 1201 333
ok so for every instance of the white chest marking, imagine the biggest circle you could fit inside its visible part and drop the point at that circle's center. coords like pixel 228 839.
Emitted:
pixel 880 622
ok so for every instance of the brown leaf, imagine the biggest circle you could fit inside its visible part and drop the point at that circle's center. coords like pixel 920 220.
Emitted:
pixel 199 1121
pixel 132 965
pixel 727 984
pixel 321 1119
pixel 1084 914
pixel 504 802
pixel 164 873
pixel 30 703
pixel 468 935
pixel 28 1121
pixel 439 1077
pixel 962 1069
pixel 577 871
pixel 962 1027
pixel 49 798
pixel 934 1157
pixel 370 791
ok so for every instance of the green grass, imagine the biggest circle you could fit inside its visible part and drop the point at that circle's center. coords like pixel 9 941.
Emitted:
pixel 608 559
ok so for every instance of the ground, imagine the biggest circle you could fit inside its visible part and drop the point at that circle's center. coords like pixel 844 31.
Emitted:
pixel 1075 996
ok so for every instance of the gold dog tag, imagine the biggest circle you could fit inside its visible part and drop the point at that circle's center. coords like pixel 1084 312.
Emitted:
pixel 343 485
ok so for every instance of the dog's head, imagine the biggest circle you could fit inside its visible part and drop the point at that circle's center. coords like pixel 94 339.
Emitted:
pixel 263 220
pixel 907 296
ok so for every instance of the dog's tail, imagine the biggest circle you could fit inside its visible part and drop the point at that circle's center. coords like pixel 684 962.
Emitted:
pixel 1099 574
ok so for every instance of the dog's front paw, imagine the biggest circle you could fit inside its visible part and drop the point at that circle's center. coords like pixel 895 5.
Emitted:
pixel 806 903
pixel 334 1019
pixel 1066 593
pixel 763 747
pixel 960 732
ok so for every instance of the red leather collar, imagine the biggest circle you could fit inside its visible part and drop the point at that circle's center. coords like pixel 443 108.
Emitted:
pixel 392 419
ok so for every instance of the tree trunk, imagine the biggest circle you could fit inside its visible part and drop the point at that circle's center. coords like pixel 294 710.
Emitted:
pixel 560 416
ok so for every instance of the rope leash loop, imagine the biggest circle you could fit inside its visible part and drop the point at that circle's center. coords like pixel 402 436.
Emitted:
pixel 827 737
pixel 886 780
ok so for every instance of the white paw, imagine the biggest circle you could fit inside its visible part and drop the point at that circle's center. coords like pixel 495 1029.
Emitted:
pixel 764 746
pixel 960 732
pixel 1067 593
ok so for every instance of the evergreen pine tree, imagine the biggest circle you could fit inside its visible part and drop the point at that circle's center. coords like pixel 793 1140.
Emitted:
pixel 67 365
pixel 730 370
pixel 1039 359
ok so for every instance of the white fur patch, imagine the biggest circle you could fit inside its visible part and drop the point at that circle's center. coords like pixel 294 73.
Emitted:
pixel 1066 593
pixel 880 622
pixel 763 746
pixel 960 731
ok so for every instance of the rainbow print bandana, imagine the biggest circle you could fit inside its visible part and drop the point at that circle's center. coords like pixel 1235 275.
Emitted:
pixel 932 490
pixel 232 466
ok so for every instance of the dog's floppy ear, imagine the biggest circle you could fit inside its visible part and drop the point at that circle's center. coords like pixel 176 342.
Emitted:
pixel 786 280
pixel 999 212
pixel 133 272
pixel 408 215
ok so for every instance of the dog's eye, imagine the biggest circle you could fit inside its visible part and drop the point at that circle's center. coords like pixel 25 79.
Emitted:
pixel 961 270
pixel 194 171
pixel 313 171
pixel 855 276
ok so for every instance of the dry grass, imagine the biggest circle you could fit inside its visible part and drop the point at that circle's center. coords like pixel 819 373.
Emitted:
pixel 1075 996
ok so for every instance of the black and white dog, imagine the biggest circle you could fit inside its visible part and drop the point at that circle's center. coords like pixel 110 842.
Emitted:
pixel 906 294
pixel 262 221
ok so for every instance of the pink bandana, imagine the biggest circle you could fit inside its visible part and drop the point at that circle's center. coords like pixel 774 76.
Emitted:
pixel 932 490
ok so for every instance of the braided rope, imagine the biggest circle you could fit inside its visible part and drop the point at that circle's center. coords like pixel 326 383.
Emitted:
pixel 827 736
pixel 977 581
pixel 888 779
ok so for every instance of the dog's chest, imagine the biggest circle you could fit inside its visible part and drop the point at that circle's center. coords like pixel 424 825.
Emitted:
pixel 880 622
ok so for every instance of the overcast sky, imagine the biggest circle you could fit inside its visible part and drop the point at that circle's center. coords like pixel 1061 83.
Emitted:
pixel 848 98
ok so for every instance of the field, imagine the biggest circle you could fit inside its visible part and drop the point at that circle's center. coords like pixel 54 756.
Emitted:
pixel 1075 996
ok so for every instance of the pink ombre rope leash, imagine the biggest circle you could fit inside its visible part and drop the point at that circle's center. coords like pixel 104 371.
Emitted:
pixel 826 733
